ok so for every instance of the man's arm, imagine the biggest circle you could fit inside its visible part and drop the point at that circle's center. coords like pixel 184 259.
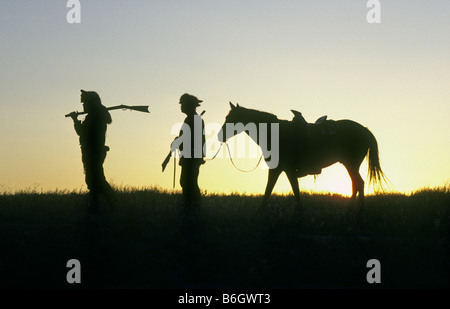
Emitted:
pixel 76 123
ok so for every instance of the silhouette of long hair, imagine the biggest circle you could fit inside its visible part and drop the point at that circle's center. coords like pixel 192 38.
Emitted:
pixel 93 104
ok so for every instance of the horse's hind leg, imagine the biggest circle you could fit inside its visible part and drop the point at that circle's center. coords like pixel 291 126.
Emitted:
pixel 361 190
pixel 295 188
pixel 357 184
pixel 272 180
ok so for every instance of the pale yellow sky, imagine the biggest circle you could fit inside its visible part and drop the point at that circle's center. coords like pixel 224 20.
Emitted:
pixel 318 58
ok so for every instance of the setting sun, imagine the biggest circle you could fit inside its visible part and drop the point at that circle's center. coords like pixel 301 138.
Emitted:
pixel 314 59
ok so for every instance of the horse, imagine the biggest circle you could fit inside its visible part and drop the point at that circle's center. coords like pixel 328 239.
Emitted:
pixel 305 149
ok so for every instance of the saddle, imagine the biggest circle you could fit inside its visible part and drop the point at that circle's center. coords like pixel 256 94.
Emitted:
pixel 319 128
pixel 313 135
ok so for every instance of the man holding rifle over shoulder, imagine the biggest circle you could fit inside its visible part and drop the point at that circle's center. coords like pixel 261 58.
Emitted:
pixel 92 133
pixel 190 143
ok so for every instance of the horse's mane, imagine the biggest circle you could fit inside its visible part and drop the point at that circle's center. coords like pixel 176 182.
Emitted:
pixel 261 115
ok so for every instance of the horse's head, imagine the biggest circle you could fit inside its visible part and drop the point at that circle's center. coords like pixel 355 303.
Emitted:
pixel 261 127
pixel 234 116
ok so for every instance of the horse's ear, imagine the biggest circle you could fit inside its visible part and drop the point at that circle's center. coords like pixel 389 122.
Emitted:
pixel 232 106
pixel 237 105
pixel 296 113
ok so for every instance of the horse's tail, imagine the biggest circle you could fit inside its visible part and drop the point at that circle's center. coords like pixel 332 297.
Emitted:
pixel 376 176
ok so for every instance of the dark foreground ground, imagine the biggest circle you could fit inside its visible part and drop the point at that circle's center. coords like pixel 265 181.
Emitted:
pixel 148 241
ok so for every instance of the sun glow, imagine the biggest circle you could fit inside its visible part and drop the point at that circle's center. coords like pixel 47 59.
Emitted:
pixel 319 59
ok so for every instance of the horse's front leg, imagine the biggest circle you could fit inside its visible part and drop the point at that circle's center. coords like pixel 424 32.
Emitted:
pixel 295 188
pixel 271 181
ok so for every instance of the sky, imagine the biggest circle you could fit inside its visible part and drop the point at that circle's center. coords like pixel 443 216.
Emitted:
pixel 318 57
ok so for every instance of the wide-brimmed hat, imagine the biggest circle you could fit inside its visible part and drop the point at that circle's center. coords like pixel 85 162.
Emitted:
pixel 190 99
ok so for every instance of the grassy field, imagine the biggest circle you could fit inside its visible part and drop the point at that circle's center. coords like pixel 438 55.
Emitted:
pixel 149 241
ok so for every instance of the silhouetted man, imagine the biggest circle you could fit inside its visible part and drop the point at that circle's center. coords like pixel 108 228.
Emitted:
pixel 92 132
pixel 190 143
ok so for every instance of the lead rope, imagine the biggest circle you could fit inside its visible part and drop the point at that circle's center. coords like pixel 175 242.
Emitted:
pixel 174 170
pixel 175 164
pixel 231 159
pixel 206 159
pixel 215 154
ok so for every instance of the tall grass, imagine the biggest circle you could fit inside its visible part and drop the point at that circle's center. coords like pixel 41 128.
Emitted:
pixel 148 240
